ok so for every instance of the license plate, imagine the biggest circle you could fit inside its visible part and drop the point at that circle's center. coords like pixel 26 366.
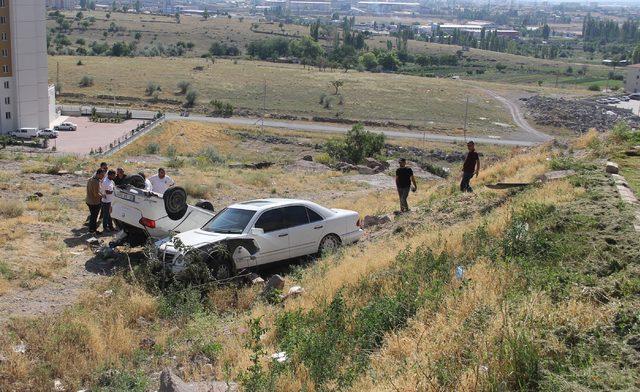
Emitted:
pixel 126 196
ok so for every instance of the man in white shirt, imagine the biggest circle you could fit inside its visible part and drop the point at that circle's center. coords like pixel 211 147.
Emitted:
pixel 147 183
pixel 161 182
pixel 107 187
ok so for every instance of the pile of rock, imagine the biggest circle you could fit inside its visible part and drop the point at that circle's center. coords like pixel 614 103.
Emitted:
pixel 407 152
pixel 369 166
pixel 577 115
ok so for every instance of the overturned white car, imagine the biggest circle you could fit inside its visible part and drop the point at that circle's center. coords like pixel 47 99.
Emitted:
pixel 259 232
pixel 144 214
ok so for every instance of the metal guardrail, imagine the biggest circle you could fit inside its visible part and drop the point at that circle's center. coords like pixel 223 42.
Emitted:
pixel 127 138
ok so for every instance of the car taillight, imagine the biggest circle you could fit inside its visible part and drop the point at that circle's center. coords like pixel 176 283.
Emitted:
pixel 146 222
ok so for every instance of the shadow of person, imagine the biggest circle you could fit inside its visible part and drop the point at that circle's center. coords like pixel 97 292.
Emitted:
pixel 80 237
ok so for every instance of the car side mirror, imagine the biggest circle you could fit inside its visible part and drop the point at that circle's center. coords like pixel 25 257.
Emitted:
pixel 257 231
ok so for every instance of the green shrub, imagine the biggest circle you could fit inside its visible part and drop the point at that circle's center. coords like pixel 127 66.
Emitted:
pixel 6 272
pixel 324 159
pixel 190 98
pixel 152 148
pixel 183 86
pixel 357 145
pixel 594 87
pixel 623 133
pixel 86 81
pixel 152 87
pixel 175 162
pixel 197 191
pixel 221 109
pixel 172 151
pixel 180 303
pixel 209 156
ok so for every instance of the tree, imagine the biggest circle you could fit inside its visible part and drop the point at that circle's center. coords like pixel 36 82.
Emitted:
pixel 205 14
pixel 389 61
pixel 546 31
pixel 190 98
pixel 137 6
pixel 369 61
pixel 183 86
pixel 137 36
pixel 635 57
pixel 83 4
pixel 177 16
pixel 357 145
pixel 337 84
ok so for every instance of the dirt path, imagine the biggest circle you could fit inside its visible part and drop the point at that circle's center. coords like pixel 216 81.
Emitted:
pixel 518 116
pixel 57 294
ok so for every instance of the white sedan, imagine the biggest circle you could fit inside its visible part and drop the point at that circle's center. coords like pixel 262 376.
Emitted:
pixel 259 232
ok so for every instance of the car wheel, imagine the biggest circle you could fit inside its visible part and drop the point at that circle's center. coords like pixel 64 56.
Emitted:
pixel 175 202
pixel 329 244
pixel 222 270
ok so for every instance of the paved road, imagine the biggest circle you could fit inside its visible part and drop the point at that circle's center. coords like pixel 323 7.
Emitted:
pixel 322 127
pixel 528 136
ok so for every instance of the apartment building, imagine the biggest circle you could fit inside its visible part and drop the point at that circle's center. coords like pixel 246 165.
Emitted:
pixel 26 99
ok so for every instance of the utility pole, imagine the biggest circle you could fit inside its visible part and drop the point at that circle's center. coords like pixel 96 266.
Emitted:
pixel 264 105
pixel 57 75
pixel 466 118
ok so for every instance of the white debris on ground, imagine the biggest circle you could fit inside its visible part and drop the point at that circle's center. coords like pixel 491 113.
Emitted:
pixel 280 357
pixel 20 348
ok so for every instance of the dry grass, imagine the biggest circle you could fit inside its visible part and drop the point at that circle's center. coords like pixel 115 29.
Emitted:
pixel 101 331
pixel 292 89
pixel 11 208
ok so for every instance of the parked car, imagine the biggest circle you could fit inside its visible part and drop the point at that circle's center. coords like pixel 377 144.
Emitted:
pixel 613 100
pixel 624 98
pixel 48 133
pixel 143 214
pixel 25 133
pixel 66 126
pixel 635 96
pixel 260 232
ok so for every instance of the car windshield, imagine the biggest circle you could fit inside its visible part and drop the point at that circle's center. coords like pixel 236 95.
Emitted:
pixel 230 221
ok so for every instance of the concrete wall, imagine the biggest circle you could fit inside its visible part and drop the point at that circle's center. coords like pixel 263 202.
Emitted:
pixel 52 104
pixel 632 82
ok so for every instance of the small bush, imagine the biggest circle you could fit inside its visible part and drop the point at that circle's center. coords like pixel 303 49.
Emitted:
pixel 86 81
pixel 152 148
pixel 180 303
pixel 172 151
pixel 324 159
pixel 183 86
pixel 594 87
pixel 209 156
pixel 357 145
pixel 11 208
pixel 190 98
pixel 152 88
pixel 175 162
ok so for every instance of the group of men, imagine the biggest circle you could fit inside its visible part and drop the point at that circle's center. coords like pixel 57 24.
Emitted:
pixel 101 187
pixel 406 181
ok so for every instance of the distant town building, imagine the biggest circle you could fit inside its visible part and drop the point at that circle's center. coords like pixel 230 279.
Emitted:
pixel 61 4
pixel 167 7
pixel 306 7
pixel 385 7
pixel 25 94
pixel 632 82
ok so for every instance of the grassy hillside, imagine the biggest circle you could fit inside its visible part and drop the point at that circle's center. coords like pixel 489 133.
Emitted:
pixel 547 300
pixel 291 89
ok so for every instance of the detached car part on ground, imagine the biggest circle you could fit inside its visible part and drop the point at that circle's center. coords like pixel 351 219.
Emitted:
pixel 143 214
pixel 259 232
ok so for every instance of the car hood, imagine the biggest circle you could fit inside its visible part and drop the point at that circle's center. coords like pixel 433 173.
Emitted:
pixel 192 239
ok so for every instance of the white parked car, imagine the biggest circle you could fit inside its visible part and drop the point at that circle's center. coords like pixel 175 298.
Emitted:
pixel 259 232
pixel 66 126
pixel 144 214
pixel 25 133
pixel 48 133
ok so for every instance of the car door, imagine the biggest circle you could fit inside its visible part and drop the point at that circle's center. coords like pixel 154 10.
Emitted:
pixel 305 230
pixel 274 242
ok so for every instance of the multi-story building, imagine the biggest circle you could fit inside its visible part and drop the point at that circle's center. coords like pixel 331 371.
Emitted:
pixel 25 94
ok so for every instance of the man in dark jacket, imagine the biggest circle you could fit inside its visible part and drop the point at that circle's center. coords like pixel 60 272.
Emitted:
pixel 404 179
pixel 470 167
pixel 120 178
pixel 94 199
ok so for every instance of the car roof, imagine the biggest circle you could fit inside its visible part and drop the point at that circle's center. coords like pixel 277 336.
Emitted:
pixel 264 204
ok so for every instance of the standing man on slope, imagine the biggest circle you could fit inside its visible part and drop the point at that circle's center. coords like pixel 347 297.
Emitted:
pixel 470 167
pixel 94 199
pixel 161 182
pixel 404 179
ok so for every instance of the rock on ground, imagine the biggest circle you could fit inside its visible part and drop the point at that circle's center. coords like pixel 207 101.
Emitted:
pixel 170 382
pixel 375 220
pixel 612 168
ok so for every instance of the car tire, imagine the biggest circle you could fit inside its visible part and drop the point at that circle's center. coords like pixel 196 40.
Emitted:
pixel 205 205
pixel 329 244
pixel 175 202
pixel 136 181
pixel 221 270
